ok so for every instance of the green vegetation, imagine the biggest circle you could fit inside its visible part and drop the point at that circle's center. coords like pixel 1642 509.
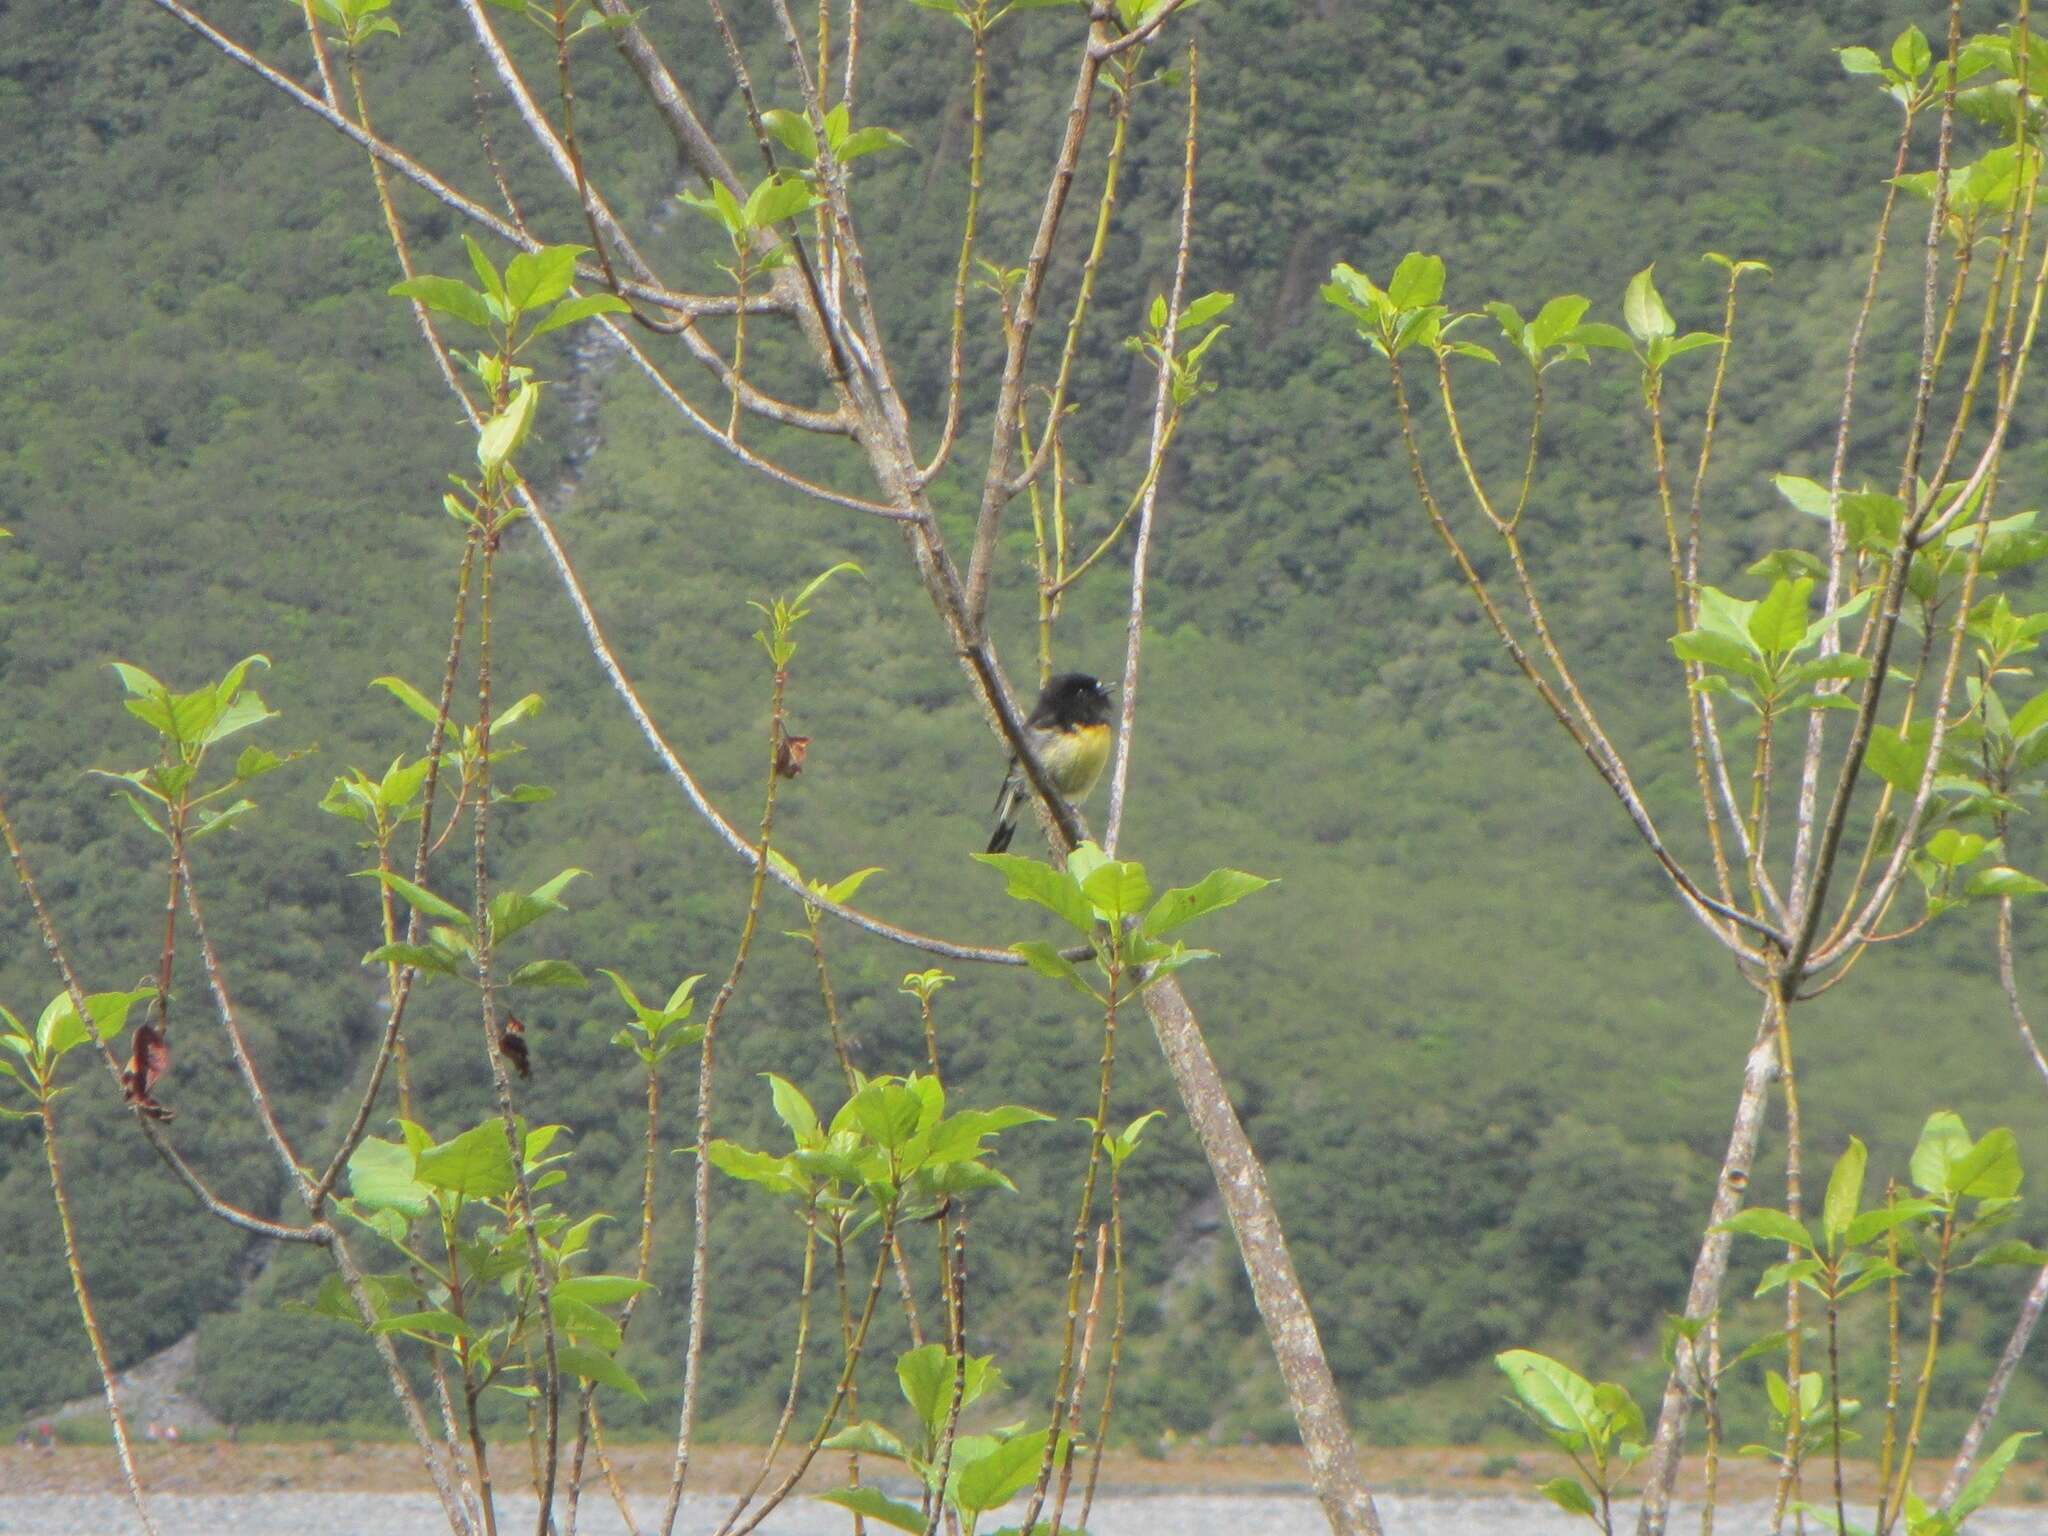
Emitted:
pixel 1484 1063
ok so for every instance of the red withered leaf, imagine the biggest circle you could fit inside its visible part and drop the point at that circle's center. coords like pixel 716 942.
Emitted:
pixel 148 1059
pixel 789 755
pixel 512 1046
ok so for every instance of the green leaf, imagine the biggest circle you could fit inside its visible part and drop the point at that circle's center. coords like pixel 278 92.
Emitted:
pixel 887 1112
pixel 1117 889
pixel 751 1167
pixel 504 432
pixel 448 296
pixel 424 957
pixel 1874 519
pixel 926 1376
pixel 58 1029
pixel 548 973
pixel 1878 1269
pixel 419 897
pixel 793 129
pixel 1786 562
pixel 599 1290
pixel 1216 890
pixel 2012 1253
pixel 1911 53
pixel 993 1479
pixel 1054 889
pixel 1790 1272
pixel 842 891
pixel 1860 61
pixel 795 1111
pixel 1778 625
pixel 776 199
pixel 1808 496
pixel 1692 341
pixel 1773 1226
pixel 478 1163
pixel 1898 760
pixel 799 605
pixel 868 1439
pixel 143 813
pixel 1569 1495
pixel 1205 309
pixel 1597 333
pixel 2002 880
pixel 1990 1170
pixel 584 1323
pixel 569 311
pixel 409 696
pixel 1556 320
pixel 1989 1474
pixel 590 1365
pixel 1417 282
pixel 2030 716
pixel 534 278
pixel 1953 849
pixel 426 1325
pixel 1353 292
pixel 1845 1194
pixel 876 1505
pixel 1046 959
pixel 1124 1145
pixel 485 272
pixel 380 1176
pixel 1556 1394
pixel 867 141
pixel 1944 1142
pixel 1642 307
pixel 1717 650
pixel 1875 1223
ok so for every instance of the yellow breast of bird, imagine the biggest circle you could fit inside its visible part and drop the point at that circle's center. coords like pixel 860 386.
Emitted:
pixel 1074 758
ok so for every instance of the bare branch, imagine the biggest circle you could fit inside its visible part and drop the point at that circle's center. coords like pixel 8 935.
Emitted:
pixel 978 91
pixel 1163 409
pixel 418 174
pixel 995 491
pixel 1718 917
pixel 731 836
pixel 606 225
pixel 746 455
pixel 1105 213
pixel 1138 37
pixel 1809 772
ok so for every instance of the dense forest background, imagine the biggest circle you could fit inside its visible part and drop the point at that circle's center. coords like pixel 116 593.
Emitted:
pixel 1489 1065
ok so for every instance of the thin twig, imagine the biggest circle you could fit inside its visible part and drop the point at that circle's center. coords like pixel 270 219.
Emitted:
pixel 995 491
pixel 730 835
pixel 1163 407
pixel 700 1248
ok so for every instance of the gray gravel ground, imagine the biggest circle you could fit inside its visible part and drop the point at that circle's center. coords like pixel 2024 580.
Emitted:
pixel 407 1514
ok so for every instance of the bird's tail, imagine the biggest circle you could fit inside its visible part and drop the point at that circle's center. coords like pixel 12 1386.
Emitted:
pixel 1008 800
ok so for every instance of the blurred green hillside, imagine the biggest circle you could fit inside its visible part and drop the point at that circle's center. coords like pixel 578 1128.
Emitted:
pixel 1487 1059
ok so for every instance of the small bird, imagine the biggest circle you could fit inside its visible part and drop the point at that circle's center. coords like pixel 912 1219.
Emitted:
pixel 1069 732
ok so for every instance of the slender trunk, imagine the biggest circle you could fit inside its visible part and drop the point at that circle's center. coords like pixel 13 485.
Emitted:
pixel 91 1320
pixel 1710 1268
pixel 1283 1307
